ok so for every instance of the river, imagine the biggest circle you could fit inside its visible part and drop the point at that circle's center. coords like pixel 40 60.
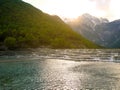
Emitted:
pixel 60 69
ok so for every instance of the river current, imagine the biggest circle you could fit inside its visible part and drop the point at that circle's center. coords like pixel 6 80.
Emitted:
pixel 60 69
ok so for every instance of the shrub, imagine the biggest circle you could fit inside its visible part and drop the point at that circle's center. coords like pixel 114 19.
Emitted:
pixel 10 42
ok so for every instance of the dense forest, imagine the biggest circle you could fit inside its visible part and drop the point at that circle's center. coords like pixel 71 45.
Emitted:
pixel 24 26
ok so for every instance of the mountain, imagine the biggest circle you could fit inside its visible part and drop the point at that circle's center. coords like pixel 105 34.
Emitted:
pixel 24 26
pixel 110 32
pixel 98 30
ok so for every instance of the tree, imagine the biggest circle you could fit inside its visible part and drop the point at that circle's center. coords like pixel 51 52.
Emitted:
pixel 10 42
pixel 61 43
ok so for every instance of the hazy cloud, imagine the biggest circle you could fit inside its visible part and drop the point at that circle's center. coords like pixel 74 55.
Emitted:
pixel 102 4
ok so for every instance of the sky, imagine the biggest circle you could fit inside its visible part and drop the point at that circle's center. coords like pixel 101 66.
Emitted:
pixel 109 9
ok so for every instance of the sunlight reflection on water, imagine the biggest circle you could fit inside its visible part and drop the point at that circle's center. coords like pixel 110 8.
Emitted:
pixel 44 71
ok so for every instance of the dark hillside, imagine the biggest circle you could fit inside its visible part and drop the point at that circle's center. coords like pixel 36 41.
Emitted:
pixel 24 26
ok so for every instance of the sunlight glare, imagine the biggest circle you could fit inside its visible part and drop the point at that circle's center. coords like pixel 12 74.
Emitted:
pixel 75 8
pixel 64 8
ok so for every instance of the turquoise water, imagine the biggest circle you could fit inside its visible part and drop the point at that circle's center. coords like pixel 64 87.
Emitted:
pixel 47 69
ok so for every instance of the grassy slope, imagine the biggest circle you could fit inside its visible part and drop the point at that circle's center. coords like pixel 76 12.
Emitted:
pixel 22 25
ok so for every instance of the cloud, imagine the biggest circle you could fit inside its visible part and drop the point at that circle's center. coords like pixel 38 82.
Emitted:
pixel 102 5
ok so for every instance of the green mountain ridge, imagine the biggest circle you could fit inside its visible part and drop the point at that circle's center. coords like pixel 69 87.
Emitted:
pixel 24 26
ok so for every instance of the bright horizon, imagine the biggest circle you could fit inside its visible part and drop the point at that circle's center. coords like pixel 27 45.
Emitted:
pixel 73 8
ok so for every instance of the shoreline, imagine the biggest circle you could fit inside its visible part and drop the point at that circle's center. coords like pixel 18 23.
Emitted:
pixel 97 61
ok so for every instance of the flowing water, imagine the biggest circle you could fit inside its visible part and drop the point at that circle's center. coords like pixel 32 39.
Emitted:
pixel 66 69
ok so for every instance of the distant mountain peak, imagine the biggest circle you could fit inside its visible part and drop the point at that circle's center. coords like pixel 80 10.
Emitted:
pixel 98 30
pixel 116 21
pixel 86 15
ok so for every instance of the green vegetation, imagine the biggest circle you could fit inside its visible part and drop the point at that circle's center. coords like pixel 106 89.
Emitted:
pixel 10 42
pixel 23 26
